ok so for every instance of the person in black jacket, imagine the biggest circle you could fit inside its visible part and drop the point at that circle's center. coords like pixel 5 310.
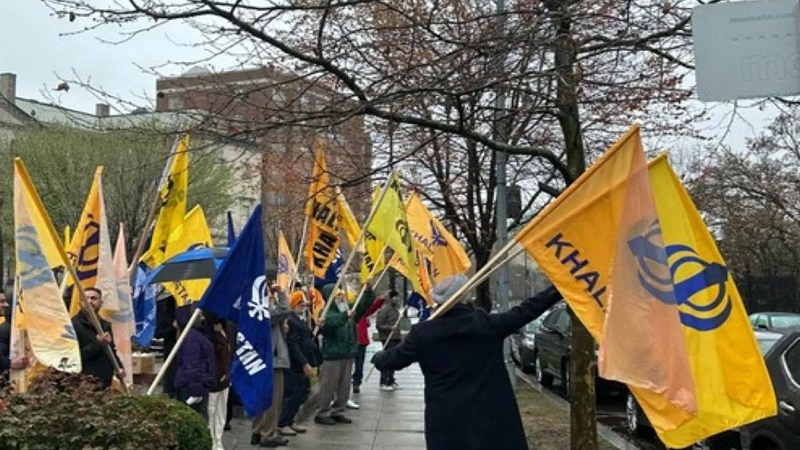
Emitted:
pixel 304 356
pixel 469 402
pixel 94 358
pixel 166 329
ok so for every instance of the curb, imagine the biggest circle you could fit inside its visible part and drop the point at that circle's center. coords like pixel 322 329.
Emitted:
pixel 613 438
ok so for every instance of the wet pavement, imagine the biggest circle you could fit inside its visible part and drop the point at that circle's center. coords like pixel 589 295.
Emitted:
pixel 386 420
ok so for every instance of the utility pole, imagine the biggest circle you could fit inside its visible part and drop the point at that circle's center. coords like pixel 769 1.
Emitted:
pixel 501 218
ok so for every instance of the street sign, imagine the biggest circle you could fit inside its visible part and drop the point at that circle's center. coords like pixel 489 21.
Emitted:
pixel 746 49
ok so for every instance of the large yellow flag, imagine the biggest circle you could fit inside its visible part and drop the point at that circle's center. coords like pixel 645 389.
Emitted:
pixel 49 329
pixel 390 225
pixel 445 253
pixel 373 260
pixel 90 250
pixel 286 265
pixel 347 221
pixel 595 244
pixel 174 188
pixel 190 234
pixel 123 324
pixel 731 381
pixel 322 212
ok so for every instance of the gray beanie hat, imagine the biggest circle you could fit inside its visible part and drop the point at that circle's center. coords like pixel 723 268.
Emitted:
pixel 447 287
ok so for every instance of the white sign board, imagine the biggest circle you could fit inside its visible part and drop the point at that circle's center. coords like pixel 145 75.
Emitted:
pixel 746 49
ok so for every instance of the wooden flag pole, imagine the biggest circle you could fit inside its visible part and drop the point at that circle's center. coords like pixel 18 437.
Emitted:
pixel 174 352
pixel 360 241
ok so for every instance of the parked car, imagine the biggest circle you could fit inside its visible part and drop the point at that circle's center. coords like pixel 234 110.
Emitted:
pixel 639 425
pixel 780 432
pixel 523 344
pixel 779 322
pixel 553 350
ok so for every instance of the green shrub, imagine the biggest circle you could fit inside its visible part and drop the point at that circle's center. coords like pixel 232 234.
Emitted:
pixel 190 429
pixel 70 412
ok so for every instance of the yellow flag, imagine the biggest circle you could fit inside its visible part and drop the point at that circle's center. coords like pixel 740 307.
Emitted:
pixel 347 221
pixel 390 225
pixel 286 265
pixel 90 250
pixel 321 209
pixel 190 234
pixel 123 324
pixel 49 328
pixel 373 260
pixel 173 190
pixel 596 245
pixel 732 384
pixel 445 253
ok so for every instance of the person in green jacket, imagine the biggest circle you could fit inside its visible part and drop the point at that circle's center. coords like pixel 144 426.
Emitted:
pixel 339 346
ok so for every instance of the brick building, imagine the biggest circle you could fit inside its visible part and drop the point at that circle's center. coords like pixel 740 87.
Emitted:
pixel 258 103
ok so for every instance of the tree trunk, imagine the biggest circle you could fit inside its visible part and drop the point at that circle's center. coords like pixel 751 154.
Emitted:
pixel 483 293
pixel 583 410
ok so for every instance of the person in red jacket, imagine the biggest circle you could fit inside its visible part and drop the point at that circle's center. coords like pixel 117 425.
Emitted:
pixel 363 341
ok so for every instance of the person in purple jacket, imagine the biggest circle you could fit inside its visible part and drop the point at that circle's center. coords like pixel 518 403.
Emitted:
pixel 195 375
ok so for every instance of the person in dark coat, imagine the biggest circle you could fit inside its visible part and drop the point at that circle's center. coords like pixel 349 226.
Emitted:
pixel 469 402
pixel 94 357
pixel 195 373
pixel 167 331
pixel 304 356
pixel 218 397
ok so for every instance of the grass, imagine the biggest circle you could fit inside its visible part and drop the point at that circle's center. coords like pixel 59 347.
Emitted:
pixel 546 425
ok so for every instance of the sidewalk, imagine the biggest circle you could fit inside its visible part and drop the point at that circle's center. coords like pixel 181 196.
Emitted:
pixel 386 420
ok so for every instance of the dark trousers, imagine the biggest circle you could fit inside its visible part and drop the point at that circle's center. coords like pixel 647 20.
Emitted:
pixel 358 370
pixel 296 389
pixel 387 376
pixel 201 408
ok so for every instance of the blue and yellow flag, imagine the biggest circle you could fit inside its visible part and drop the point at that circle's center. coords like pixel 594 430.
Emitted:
pixel 90 251
pixel 731 381
pixel 49 328
pixel 445 253
pixel 174 188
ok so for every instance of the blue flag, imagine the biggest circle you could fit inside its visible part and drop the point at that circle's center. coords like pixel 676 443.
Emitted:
pixel 238 293
pixel 144 308
pixel 231 232
pixel 333 273
pixel 417 302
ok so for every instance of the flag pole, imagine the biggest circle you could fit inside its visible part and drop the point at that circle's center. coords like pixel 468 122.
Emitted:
pixel 174 352
pixel 389 338
pixel 151 214
pixel 360 241
pixel 296 268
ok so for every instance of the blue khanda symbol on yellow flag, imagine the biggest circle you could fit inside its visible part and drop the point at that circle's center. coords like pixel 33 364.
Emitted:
pixel 283 264
pixel 698 286
pixel 34 269
pixel 438 239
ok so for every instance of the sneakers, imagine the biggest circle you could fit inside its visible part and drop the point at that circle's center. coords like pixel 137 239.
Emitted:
pixel 352 405
pixel 274 442
pixel 287 431
pixel 396 386
pixel 298 428
pixel 387 387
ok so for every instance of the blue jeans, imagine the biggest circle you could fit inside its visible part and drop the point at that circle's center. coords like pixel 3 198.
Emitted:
pixel 358 370
pixel 296 388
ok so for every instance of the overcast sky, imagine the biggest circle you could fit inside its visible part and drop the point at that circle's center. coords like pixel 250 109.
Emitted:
pixel 33 47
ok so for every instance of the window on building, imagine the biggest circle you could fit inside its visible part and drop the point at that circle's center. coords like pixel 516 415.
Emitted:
pixel 175 101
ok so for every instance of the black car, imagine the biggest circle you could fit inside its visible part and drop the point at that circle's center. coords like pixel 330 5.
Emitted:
pixel 552 353
pixel 523 344
pixel 639 425
pixel 779 322
pixel 780 432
